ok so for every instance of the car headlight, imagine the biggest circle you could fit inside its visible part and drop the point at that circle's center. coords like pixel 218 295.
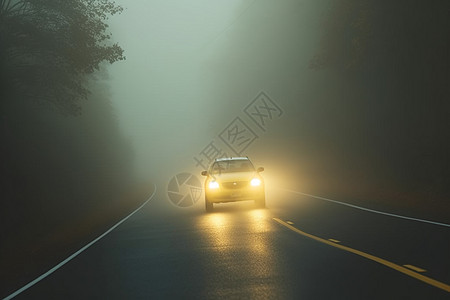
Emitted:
pixel 213 185
pixel 255 182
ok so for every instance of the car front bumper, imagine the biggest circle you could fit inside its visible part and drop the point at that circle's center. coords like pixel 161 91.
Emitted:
pixel 232 195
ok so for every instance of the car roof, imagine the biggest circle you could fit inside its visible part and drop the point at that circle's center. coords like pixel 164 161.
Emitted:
pixel 231 158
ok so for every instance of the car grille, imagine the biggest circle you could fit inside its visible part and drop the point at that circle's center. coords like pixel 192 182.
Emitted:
pixel 235 184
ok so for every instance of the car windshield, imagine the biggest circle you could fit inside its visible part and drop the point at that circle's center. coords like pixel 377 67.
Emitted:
pixel 231 166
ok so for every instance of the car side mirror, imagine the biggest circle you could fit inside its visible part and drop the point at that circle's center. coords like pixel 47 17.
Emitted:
pixel 260 169
pixel 204 173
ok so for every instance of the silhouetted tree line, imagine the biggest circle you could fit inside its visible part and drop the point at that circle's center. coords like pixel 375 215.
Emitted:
pixel 393 112
pixel 48 46
pixel 62 153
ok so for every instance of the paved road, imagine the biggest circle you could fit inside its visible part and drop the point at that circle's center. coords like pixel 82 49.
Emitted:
pixel 239 251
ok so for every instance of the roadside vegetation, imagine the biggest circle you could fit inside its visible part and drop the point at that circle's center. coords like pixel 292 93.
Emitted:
pixel 63 156
pixel 390 116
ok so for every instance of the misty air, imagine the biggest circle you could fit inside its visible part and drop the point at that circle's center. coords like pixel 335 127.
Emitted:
pixel 231 149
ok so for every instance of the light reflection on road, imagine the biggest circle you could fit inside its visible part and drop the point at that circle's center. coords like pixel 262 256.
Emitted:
pixel 242 246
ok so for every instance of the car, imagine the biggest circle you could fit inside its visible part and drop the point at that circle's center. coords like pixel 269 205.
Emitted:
pixel 233 179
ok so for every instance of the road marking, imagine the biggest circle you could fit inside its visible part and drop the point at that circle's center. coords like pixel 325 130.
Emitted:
pixel 334 241
pixel 389 264
pixel 370 210
pixel 417 269
pixel 46 274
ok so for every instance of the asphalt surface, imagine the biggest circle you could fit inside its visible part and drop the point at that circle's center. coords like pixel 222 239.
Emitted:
pixel 241 252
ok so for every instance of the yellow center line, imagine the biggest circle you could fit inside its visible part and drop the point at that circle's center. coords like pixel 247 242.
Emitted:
pixel 334 241
pixel 389 264
pixel 417 269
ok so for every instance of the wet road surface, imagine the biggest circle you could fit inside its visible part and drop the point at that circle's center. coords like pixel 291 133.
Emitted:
pixel 239 251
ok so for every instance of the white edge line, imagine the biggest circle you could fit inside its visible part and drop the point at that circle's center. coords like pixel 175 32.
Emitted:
pixel 30 284
pixel 370 210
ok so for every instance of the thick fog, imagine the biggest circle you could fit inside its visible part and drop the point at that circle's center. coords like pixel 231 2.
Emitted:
pixel 341 98
pixel 163 92
pixel 342 74
pixel 191 68
pixel 346 99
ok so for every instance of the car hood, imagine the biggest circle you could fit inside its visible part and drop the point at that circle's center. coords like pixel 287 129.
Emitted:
pixel 237 176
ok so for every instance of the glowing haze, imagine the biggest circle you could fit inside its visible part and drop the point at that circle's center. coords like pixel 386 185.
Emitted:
pixel 192 66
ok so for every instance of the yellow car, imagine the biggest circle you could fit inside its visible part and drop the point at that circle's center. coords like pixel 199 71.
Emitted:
pixel 233 179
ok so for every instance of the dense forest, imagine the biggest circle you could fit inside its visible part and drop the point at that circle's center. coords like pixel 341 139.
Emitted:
pixel 63 157
pixel 391 111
